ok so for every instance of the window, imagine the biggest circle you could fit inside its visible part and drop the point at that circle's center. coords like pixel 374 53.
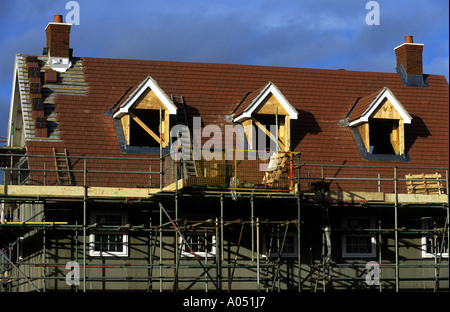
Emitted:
pixel 108 243
pixel 203 245
pixel 263 110
pixel 266 132
pixel 355 241
pixel 383 135
pixel 144 128
pixel 272 244
pixel 378 125
pixel 145 116
pixel 432 241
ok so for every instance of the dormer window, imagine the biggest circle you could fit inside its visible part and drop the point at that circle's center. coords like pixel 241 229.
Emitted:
pixel 378 121
pixel 265 115
pixel 145 116
pixel 384 136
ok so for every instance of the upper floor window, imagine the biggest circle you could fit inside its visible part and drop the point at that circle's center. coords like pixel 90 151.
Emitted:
pixel 145 116
pixel 379 120
pixel 266 116
pixel 384 137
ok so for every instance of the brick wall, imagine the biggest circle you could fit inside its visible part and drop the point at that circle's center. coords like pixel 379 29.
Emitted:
pixel 58 39
pixel 410 55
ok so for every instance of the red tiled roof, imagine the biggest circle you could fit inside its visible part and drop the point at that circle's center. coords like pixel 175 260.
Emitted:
pixel 248 100
pixel 212 91
pixel 363 104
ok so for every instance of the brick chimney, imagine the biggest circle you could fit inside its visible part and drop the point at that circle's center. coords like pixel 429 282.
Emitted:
pixel 409 62
pixel 58 38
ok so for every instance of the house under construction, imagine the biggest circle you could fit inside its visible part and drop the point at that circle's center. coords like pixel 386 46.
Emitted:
pixel 173 176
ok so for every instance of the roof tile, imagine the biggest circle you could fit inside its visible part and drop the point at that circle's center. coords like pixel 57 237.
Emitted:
pixel 322 98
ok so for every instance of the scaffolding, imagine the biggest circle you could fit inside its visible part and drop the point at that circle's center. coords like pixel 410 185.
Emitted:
pixel 269 253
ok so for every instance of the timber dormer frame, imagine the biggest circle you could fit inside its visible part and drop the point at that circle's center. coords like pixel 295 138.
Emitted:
pixel 145 116
pixel 380 119
pixel 265 107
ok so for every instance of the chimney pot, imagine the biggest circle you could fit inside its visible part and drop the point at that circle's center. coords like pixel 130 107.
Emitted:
pixel 58 18
pixel 409 39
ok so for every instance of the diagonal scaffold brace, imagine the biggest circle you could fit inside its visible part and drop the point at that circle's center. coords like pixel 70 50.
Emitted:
pixel 187 244
pixel 19 270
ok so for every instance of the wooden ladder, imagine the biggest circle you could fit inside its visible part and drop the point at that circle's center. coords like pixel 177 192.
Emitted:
pixel 182 119
pixel 62 167
pixel 189 165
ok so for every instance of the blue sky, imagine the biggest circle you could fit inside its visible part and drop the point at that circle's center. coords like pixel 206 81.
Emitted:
pixel 296 33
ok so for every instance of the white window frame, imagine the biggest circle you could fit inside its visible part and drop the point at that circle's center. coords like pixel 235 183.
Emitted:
pixel 97 253
pixel 345 225
pixel 425 253
pixel 186 253
pixel 266 241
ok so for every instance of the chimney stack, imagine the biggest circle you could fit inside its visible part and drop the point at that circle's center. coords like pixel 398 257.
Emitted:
pixel 409 62
pixel 58 40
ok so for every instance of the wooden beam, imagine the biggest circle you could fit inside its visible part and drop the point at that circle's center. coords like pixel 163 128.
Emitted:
pixel 54 191
pixel 57 191
pixel 33 223
pixel 126 127
pixel 147 129
pixel 377 197
pixel 387 111
pixel 267 132
pixel 42 191
pixel 173 186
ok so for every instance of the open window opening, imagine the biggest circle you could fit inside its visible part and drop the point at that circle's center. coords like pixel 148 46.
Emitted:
pixel 145 117
pixel 379 119
pixel 145 128
pixel 384 136
pixel 270 131
pixel 262 111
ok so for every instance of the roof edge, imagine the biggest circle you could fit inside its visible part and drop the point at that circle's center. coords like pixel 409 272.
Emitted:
pixel 384 93
pixel 148 82
pixel 269 88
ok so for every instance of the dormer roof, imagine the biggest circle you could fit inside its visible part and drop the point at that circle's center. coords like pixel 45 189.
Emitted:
pixel 368 105
pixel 148 84
pixel 256 99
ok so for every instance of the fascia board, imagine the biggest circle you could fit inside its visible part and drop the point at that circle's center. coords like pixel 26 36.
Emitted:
pixel 398 106
pixel 293 114
pixel 163 97
pixel 270 88
pixel 356 122
pixel 149 82
pixel 240 118
pixel 12 103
